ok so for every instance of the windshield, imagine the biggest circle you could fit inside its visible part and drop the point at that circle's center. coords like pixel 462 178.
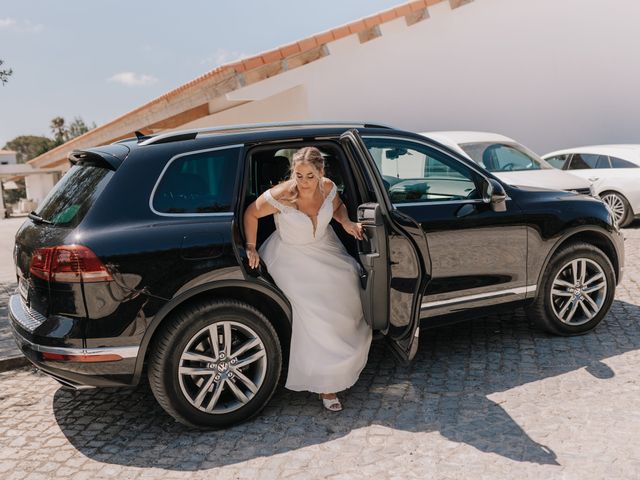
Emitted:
pixel 504 157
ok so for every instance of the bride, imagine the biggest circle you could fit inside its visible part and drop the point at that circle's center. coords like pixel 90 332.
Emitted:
pixel 330 339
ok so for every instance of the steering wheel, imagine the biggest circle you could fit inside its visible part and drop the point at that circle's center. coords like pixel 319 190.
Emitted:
pixel 508 166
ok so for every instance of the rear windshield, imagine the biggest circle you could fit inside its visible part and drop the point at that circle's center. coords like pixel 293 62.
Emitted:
pixel 504 157
pixel 70 199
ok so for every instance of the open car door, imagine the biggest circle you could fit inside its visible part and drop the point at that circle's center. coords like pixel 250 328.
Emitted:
pixel 394 255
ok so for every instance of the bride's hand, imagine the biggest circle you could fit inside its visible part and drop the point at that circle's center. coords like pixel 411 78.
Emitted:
pixel 354 229
pixel 252 255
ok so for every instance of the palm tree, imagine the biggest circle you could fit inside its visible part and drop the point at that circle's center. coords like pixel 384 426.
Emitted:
pixel 59 130
pixel 5 74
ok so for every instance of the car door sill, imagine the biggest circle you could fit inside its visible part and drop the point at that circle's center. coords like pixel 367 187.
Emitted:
pixel 500 293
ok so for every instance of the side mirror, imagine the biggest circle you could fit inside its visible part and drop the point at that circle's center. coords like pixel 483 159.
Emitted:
pixel 493 193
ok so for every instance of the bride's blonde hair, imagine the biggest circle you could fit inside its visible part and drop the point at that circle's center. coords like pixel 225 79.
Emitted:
pixel 312 157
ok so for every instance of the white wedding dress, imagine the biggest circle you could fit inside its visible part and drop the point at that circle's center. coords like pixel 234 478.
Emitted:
pixel 330 339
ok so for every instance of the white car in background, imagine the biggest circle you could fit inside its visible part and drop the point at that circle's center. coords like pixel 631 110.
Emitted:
pixel 510 161
pixel 614 171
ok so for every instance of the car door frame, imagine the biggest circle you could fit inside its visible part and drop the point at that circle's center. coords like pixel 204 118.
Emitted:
pixel 403 322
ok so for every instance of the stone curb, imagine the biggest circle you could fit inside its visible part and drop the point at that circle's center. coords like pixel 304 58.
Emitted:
pixel 11 363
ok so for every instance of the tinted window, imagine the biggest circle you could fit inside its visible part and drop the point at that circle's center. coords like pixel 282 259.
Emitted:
pixel 581 161
pixel 69 201
pixel 198 183
pixel 503 157
pixel 558 161
pixel 620 163
pixel 413 172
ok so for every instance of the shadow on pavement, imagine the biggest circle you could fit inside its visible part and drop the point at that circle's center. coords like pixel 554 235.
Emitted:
pixel 445 390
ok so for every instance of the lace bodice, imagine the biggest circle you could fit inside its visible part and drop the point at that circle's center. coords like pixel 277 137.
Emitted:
pixel 295 226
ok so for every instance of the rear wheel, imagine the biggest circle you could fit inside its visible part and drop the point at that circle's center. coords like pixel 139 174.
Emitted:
pixel 619 206
pixel 576 291
pixel 215 363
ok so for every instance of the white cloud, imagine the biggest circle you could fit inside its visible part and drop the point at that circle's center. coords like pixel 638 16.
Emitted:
pixel 26 26
pixel 7 23
pixel 131 79
pixel 222 56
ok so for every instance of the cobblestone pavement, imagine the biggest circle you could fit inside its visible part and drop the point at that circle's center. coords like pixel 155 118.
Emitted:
pixel 8 347
pixel 490 399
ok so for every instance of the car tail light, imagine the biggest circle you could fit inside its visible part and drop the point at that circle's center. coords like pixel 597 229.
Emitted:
pixel 68 263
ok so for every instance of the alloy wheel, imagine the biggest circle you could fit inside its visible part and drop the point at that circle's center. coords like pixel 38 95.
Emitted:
pixel 617 206
pixel 578 291
pixel 222 367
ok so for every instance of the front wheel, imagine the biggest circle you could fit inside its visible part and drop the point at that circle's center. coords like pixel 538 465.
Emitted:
pixel 576 291
pixel 215 363
pixel 619 207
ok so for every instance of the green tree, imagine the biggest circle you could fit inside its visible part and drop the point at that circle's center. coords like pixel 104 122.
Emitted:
pixel 63 133
pixel 29 146
pixel 59 130
pixel 78 127
pixel 5 73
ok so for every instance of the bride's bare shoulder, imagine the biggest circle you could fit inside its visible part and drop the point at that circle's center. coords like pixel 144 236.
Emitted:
pixel 327 184
pixel 282 189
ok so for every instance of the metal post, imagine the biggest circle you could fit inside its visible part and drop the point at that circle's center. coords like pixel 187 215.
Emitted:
pixel 2 205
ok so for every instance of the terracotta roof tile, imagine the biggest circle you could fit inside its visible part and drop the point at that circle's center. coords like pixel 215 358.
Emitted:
pixel 403 10
pixel 340 32
pixel 252 62
pixel 388 15
pixel 417 5
pixel 357 26
pixel 372 21
pixel 290 49
pixel 307 44
pixel 272 56
pixel 324 37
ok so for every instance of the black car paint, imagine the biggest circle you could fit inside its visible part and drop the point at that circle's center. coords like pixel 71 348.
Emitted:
pixel 160 262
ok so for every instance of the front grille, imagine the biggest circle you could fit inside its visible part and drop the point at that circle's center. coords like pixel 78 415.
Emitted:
pixel 28 318
pixel 582 191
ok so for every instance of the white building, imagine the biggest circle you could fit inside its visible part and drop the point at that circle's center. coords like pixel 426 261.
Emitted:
pixel 7 157
pixel 550 73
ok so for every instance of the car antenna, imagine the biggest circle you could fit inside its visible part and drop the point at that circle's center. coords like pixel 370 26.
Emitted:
pixel 141 136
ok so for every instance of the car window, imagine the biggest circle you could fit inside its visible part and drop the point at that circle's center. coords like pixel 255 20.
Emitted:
pixel 558 161
pixel 413 172
pixel 503 157
pixel 69 201
pixel 620 163
pixel 198 183
pixel 581 161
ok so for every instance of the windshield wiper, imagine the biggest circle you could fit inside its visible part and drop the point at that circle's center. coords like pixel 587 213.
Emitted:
pixel 38 218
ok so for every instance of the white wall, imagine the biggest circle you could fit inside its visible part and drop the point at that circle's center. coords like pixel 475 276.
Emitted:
pixel 8 158
pixel 550 73
pixel 38 186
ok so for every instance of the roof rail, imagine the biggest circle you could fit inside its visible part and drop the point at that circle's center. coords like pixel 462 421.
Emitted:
pixel 193 133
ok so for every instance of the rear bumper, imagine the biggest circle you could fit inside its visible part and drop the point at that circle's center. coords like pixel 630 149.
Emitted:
pixel 74 367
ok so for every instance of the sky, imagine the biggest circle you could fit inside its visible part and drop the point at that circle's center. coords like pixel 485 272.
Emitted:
pixel 99 60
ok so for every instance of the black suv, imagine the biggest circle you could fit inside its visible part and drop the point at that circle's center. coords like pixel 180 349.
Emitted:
pixel 135 261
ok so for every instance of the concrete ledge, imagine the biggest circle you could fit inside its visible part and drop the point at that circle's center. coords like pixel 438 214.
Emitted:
pixel 11 363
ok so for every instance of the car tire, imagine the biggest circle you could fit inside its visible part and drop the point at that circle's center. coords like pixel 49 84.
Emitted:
pixel 619 206
pixel 560 293
pixel 202 388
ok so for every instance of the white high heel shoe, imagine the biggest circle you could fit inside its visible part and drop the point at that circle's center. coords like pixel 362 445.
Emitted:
pixel 331 404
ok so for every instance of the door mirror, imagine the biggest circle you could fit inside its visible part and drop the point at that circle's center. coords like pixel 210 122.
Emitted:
pixel 493 193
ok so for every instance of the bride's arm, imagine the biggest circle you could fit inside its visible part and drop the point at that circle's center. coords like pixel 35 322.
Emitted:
pixel 258 209
pixel 342 217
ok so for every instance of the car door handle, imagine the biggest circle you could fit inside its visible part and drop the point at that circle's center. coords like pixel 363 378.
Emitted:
pixel 593 179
